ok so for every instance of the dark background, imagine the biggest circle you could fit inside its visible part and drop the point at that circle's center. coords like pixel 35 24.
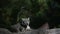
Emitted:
pixel 12 10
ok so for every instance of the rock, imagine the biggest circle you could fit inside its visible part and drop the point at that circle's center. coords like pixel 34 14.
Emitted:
pixel 4 31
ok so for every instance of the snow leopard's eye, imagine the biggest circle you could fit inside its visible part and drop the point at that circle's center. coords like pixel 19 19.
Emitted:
pixel 23 23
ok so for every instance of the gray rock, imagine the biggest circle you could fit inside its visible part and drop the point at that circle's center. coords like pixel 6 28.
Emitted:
pixel 4 31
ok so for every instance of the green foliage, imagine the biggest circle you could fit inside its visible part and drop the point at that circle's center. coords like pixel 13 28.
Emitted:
pixel 13 10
